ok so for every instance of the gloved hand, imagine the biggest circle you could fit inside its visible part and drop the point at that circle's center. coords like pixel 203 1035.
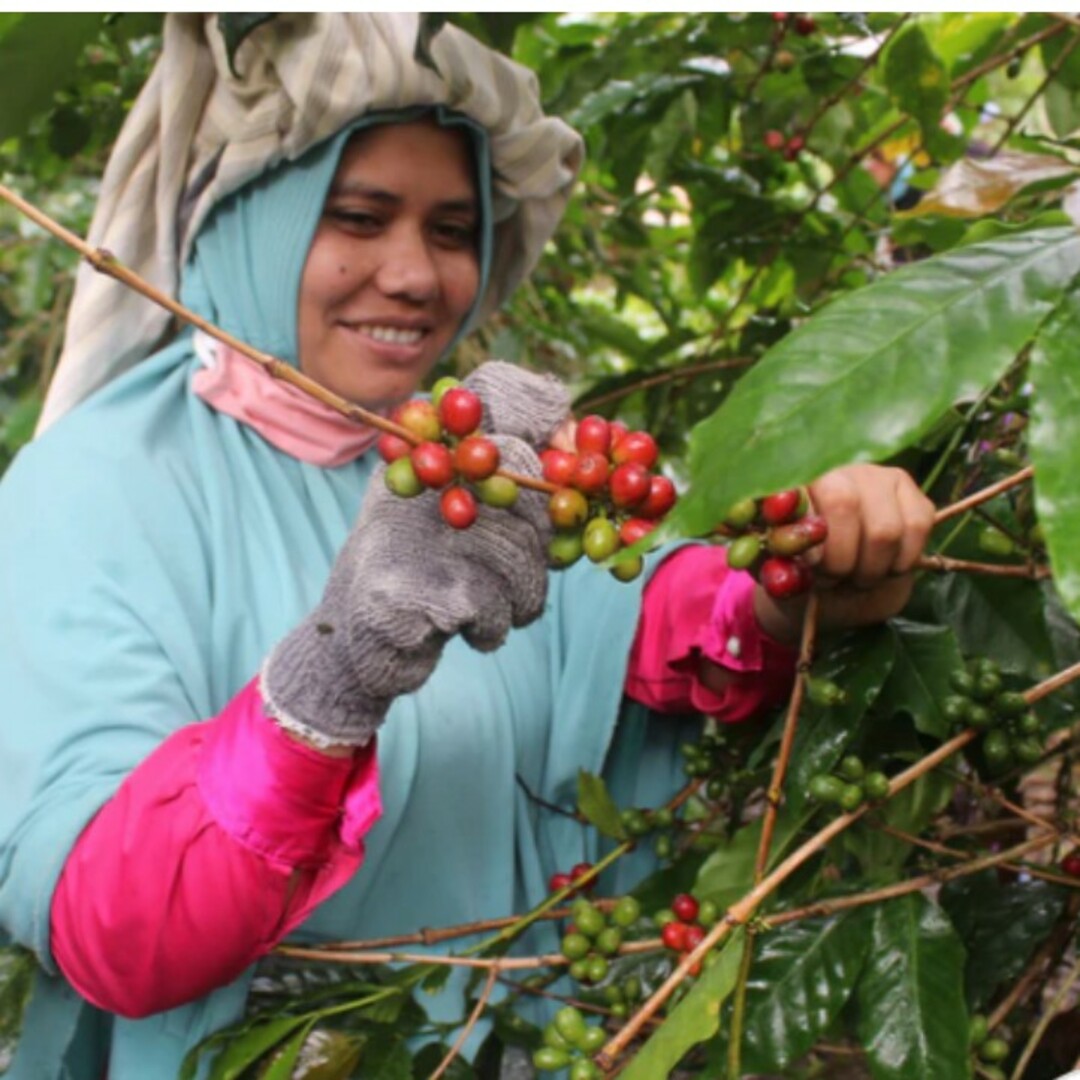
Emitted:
pixel 406 582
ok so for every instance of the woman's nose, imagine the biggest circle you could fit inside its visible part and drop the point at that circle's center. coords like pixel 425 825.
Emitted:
pixel 408 267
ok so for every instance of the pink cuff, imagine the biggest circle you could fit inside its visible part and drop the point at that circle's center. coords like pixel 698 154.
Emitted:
pixel 288 802
pixel 696 607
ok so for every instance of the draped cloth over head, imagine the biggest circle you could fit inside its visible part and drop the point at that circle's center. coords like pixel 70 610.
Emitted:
pixel 198 132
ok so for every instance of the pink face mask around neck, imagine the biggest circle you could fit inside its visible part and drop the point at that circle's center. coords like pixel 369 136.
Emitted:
pixel 287 418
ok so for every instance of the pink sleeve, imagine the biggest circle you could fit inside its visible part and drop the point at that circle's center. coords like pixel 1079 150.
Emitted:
pixel 695 607
pixel 216 846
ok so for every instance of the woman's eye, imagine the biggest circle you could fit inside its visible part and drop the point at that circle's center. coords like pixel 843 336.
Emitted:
pixel 354 219
pixel 456 233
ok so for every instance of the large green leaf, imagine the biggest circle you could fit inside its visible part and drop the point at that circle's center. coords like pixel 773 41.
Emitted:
pixel 872 372
pixel 37 58
pixel 695 1019
pixel 1001 923
pixel 597 805
pixel 1055 444
pixel 803 975
pixel 912 1019
pixel 925 657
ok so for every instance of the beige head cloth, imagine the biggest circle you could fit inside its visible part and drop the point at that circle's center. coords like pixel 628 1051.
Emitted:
pixel 197 133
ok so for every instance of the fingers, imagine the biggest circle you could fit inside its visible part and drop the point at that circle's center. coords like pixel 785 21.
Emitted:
pixel 879 522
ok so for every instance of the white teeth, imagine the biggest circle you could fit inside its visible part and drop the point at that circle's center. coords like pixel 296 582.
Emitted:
pixel 393 336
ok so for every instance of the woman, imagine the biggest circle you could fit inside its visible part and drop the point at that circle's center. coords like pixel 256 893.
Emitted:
pixel 250 692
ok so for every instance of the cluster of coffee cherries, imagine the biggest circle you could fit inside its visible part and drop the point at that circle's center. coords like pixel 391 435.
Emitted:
pixel 569 1042
pixel 988 1048
pixel 684 924
pixel 1011 731
pixel 607 496
pixel 592 937
pixel 770 536
pixel 850 785
pixel 451 456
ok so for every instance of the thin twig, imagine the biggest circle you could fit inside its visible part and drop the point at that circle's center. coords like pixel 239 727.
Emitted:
pixel 1044 1022
pixel 787 739
pixel 942 564
pixel 822 908
pixel 984 495
pixel 474 1016
pixel 674 375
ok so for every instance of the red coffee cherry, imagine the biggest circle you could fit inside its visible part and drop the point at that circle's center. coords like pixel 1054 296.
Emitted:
pixel 795 146
pixel 633 529
pixel 590 472
pixel 637 446
pixel 460 411
pixel 433 464
pixel 805 25
pixel 780 508
pixel 783 578
pixel 458 507
pixel 774 140
pixel 660 500
pixel 558 882
pixel 685 907
pixel 1071 864
pixel 695 935
pixel 558 466
pixel 629 484
pixel 673 935
pixel 392 447
pixel 593 435
pixel 476 457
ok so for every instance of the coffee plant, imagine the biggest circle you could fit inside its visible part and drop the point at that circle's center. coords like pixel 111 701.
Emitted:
pixel 798 241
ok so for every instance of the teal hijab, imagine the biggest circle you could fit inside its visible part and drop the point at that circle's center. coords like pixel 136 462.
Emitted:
pixel 153 550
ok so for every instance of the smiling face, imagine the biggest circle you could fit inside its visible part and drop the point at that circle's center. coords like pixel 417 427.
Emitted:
pixel 393 268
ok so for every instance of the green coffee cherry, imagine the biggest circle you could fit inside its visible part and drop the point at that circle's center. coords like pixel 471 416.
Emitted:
pixel 876 785
pixel 987 686
pixel 626 912
pixel 852 798
pixel 826 788
pixel 978 1029
pixel 609 940
pixel 589 920
pixel 963 682
pixel 593 1039
pixel 851 768
pixel 955 708
pixel 598 969
pixel 1028 750
pixel 743 553
pixel 824 692
pixel 996 748
pixel 994 1050
pixel 1010 703
pixel 401 478
pixel 741 514
pixel 586 1068
pixel 979 716
pixel 497 491
pixel 1028 724
pixel 575 946
pixel 548 1059
pixel 570 1024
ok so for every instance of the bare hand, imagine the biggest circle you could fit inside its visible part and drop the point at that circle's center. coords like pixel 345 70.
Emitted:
pixel 879 522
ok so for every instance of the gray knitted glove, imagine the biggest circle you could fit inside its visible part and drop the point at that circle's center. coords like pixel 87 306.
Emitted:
pixel 518 402
pixel 405 582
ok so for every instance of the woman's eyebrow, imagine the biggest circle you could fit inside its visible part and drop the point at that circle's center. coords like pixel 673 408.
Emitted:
pixel 377 194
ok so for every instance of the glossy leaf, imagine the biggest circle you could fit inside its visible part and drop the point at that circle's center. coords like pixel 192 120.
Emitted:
pixel 283 1065
pixel 802 976
pixel 37 58
pixel 924 658
pixel 912 1019
pixel 243 1050
pixel 1055 436
pixel 694 1020
pixel 1001 924
pixel 873 371
pixel 596 803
